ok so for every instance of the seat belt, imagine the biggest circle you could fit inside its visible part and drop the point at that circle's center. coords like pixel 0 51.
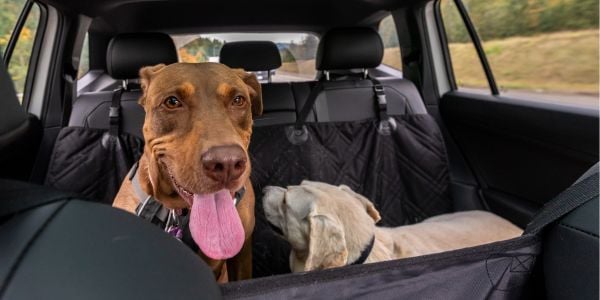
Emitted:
pixel 570 199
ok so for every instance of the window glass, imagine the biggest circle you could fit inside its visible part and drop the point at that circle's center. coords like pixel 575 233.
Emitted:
pixel 467 68
pixel 391 54
pixel 11 9
pixel 297 50
pixel 19 61
pixel 84 58
pixel 545 50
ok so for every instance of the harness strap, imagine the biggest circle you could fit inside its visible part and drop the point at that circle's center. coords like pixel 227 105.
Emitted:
pixel 308 105
pixel 386 124
pixel 573 197
pixel 114 112
pixel 365 253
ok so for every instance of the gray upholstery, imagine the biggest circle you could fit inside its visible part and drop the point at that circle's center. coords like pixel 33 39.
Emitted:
pixel 279 106
pixel 341 100
pixel 126 54
pixel 351 97
pixel 91 111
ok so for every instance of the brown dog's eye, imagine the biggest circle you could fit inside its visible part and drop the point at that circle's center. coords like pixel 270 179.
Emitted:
pixel 172 102
pixel 238 101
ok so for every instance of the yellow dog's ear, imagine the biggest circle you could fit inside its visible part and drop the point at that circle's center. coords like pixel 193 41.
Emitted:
pixel 254 90
pixel 146 74
pixel 327 244
pixel 371 210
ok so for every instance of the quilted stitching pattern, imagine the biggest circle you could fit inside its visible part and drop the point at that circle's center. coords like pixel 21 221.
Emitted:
pixel 404 174
pixel 81 163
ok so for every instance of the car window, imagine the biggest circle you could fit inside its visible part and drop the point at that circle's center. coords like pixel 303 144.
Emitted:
pixel 84 58
pixel 297 50
pixel 466 66
pixel 391 45
pixel 18 64
pixel 537 49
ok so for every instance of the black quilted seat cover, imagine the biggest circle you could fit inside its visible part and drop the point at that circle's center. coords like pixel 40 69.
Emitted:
pixel 405 174
pixel 91 163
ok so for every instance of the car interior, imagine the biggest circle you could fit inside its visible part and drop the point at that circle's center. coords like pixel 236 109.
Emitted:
pixel 450 150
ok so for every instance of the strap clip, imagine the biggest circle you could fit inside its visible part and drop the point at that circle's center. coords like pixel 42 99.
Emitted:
pixel 114 112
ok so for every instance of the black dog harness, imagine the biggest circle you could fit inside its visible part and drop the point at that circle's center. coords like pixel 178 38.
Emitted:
pixel 365 253
pixel 173 221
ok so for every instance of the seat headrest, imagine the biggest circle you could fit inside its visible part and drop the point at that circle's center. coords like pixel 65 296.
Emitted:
pixel 251 55
pixel 128 53
pixel 349 48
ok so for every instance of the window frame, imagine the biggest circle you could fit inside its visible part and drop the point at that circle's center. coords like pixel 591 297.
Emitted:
pixel 35 50
pixel 475 40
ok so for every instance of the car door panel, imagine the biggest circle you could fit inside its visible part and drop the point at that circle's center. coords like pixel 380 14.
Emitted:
pixel 523 153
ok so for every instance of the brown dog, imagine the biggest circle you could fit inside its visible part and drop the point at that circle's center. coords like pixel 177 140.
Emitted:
pixel 197 130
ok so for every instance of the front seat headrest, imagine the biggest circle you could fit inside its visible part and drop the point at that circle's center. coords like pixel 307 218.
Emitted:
pixel 349 48
pixel 251 55
pixel 128 53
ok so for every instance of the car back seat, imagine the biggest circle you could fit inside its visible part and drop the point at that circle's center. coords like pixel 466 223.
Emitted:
pixel 93 154
pixel 343 58
pixel 403 170
pixel 126 54
pixel 279 105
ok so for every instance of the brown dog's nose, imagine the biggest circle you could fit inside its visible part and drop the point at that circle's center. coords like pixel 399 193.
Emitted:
pixel 224 163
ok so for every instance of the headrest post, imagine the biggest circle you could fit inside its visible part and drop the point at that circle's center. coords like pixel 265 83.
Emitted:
pixel 365 73
pixel 269 76
pixel 326 73
pixel 125 84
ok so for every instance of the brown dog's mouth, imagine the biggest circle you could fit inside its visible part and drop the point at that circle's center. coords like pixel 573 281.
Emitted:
pixel 214 222
pixel 184 193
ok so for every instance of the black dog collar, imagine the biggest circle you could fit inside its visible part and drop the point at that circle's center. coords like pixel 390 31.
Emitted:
pixel 365 253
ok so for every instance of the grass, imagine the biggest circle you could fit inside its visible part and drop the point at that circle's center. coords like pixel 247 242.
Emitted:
pixel 555 62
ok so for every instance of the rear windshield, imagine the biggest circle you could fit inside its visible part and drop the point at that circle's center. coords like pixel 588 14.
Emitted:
pixel 297 50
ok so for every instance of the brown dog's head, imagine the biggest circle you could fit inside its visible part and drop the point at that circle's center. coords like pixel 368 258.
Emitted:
pixel 327 226
pixel 197 130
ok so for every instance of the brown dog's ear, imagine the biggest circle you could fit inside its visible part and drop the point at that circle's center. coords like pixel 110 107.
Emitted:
pixel 254 89
pixel 371 210
pixel 146 74
pixel 327 244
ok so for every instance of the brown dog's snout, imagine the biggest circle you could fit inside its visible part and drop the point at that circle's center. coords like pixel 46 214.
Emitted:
pixel 224 163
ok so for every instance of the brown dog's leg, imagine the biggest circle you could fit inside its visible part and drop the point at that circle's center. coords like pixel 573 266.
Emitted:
pixel 239 267
pixel 126 198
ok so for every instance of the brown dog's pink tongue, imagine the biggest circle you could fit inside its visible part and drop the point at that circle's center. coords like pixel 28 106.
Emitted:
pixel 216 226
